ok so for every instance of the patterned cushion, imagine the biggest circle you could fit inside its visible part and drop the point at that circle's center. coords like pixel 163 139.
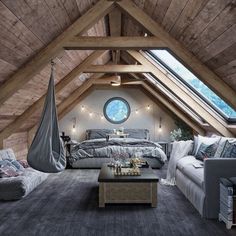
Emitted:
pixel 205 140
pixel 10 168
pixel 18 166
pixel 222 145
pixel 229 150
pixel 24 163
pixel 206 151
pixel 8 171
pixel 7 154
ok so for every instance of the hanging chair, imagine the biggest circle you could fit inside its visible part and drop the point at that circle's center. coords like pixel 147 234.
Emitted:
pixel 46 152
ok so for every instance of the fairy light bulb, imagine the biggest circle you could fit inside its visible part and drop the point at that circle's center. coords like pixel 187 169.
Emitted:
pixel 90 114
pixel 148 107
pixel 102 117
pixel 82 108
pixel 136 111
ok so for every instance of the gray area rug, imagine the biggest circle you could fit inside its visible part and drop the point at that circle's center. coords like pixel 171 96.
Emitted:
pixel 67 204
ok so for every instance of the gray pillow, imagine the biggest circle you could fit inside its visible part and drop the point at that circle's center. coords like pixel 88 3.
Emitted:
pixel 206 151
pixel 229 150
pixel 221 146
pixel 206 140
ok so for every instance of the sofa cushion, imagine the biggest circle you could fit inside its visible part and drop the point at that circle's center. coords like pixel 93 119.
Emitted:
pixel 24 163
pixel 18 187
pixel 221 146
pixel 186 166
pixel 8 171
pixel 229 150
pixel 205 140
pixel 206 151
pixel 7 154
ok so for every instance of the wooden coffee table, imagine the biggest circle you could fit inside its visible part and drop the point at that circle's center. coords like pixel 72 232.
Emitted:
pixel 127 189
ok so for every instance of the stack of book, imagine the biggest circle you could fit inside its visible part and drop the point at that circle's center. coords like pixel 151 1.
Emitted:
pixel 228 201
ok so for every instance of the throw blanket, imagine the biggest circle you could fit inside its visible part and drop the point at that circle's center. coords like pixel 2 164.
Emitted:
pixel 179 150
pixel 117 148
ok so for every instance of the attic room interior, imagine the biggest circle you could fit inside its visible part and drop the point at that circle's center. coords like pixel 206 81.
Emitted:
pixel 118 117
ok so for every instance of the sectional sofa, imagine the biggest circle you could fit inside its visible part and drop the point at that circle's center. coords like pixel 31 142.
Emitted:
pixel 201 185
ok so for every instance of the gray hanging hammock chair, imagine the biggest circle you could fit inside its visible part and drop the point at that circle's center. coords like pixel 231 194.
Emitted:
pixel 46 152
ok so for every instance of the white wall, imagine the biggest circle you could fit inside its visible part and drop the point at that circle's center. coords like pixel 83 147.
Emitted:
pixel 136 98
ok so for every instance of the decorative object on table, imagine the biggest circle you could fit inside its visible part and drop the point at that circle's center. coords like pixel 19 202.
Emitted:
pixel 228 201
pixel 127 172
pixel 182 131
pixel 138 162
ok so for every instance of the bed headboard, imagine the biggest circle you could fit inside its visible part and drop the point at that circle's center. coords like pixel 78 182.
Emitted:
pixel 133 133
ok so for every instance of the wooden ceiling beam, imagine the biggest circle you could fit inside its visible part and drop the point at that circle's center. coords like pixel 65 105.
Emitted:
pixel 114 43
pixel 116 69
pixel 17 123
pixel 181 93
pixel 115 30
pixel 37 63
pixel 204 73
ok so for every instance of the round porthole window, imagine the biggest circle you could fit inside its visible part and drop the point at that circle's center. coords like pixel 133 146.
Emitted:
pixel 116 110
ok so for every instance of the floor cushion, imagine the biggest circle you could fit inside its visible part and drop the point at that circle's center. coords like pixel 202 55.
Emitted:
pixel 13 188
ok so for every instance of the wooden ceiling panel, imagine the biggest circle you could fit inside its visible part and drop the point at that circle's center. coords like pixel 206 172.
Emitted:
pixel 215 28
pixel 160 10
pixel 173 13
pixel 206 27
pixel 6 70
pixel 208 13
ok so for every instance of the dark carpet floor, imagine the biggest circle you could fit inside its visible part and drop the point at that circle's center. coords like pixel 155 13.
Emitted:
pixel 67 204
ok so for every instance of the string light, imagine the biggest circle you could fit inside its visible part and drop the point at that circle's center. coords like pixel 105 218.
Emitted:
pixel 92 113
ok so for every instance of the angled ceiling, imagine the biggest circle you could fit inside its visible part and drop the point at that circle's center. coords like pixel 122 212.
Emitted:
pixel 202 33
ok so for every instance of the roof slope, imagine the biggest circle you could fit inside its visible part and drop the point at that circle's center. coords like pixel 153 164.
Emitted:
pixel 206 27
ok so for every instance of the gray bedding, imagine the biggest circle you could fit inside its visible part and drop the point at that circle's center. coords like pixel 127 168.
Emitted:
pixel 116 148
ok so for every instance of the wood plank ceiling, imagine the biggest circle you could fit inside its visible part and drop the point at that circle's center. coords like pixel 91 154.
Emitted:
pixel 206 27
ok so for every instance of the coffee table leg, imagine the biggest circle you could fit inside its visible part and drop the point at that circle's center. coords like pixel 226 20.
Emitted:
pixel 154 194
pixel 101 195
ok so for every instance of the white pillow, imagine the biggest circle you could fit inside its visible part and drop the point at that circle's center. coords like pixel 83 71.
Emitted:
pixel 205 140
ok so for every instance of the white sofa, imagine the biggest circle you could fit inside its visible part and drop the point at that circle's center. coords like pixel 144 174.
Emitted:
pixel 201 185
pixel 13 188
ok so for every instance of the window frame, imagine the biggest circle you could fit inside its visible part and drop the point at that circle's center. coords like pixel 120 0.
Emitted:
pixel 206 100
pixel 109 101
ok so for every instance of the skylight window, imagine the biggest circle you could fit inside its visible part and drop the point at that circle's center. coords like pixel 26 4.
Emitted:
pixel 178 69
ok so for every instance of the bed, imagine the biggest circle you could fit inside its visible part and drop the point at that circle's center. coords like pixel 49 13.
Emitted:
pixel 96 149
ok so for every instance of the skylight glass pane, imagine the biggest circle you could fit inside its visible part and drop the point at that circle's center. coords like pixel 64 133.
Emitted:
pixel 179 69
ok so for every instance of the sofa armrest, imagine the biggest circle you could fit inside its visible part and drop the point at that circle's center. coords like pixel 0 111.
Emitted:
pixel 214 169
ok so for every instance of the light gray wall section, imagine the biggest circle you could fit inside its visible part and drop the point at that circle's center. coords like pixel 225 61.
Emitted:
pixel 148 119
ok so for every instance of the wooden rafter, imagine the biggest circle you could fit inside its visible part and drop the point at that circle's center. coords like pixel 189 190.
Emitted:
pixel 116 69
pixel 17 123
pixel 25 73
pixel 201 110
pixel 115 30
pixel 206 75
pixel 113 43
pixel 165 102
